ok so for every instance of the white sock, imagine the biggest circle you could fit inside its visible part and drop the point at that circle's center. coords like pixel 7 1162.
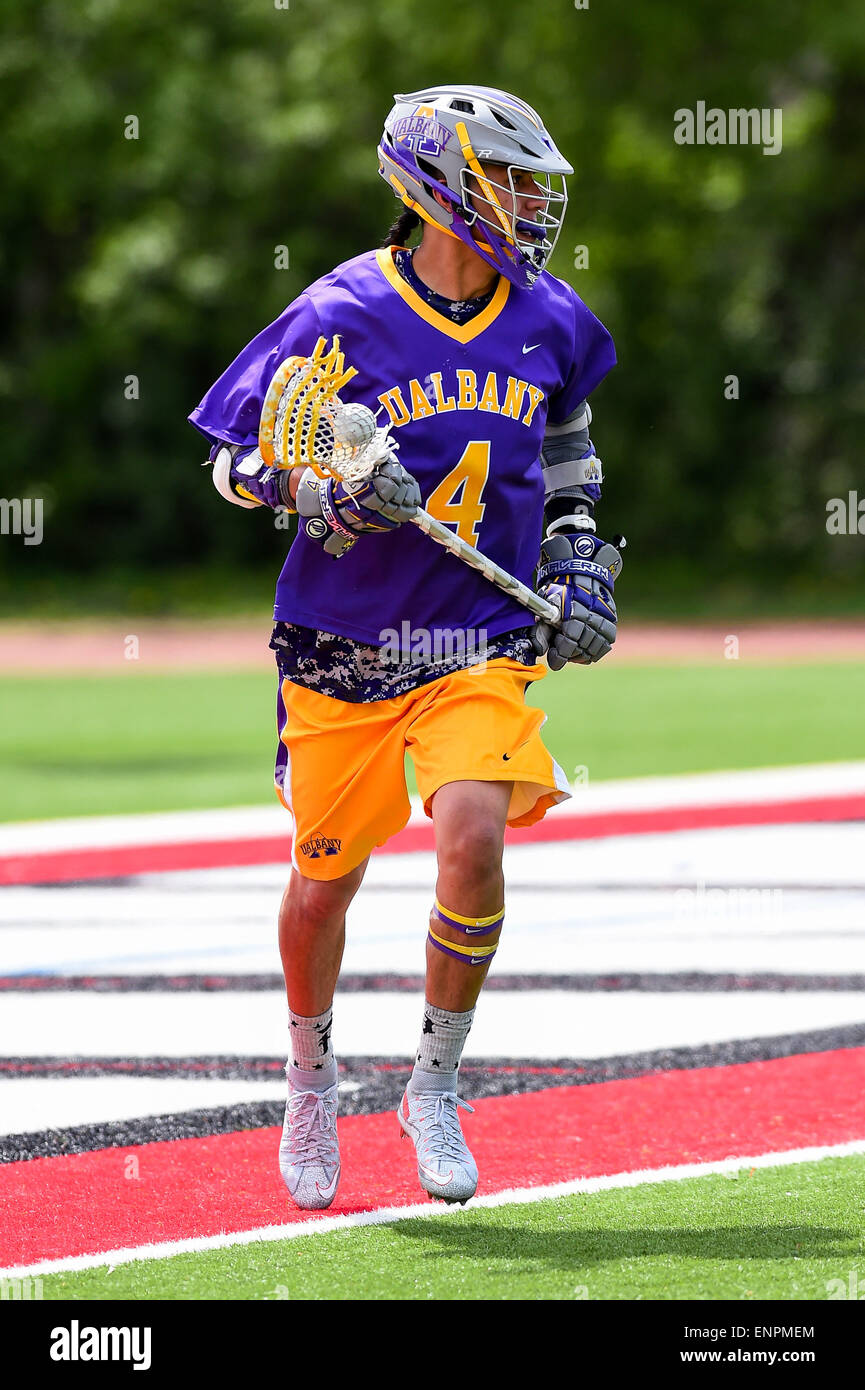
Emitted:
pixel 311 1061
pixel 440 1049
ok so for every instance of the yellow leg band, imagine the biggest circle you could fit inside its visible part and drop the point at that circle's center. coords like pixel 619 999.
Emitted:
pixel 475 951
pixel 470 921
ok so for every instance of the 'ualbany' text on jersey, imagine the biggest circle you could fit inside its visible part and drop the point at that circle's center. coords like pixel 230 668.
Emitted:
pixel 467 404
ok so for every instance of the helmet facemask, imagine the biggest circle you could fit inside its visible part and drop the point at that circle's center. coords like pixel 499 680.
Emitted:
pixel 519 247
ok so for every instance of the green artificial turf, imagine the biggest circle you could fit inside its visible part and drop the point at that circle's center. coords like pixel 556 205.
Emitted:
pixel 102 744
pixel 770 1233
pixel 151 742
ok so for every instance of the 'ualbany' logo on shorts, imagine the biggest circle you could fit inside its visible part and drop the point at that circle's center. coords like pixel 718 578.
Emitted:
pixel 320 844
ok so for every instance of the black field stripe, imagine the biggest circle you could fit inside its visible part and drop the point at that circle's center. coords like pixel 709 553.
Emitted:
pixel 378 1084
pixel 678 982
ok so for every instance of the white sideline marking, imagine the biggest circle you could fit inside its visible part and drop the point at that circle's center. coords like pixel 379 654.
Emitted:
pixel 383 1024
pixel 386 1216
pixel 654 912
pixel 34 1103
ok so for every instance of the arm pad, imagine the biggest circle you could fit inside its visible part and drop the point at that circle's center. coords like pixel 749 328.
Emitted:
pixel 241 476
pixel 572 473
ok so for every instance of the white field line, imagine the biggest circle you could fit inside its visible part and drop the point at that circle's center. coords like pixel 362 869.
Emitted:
pixel 383 1024
pixel 386 1216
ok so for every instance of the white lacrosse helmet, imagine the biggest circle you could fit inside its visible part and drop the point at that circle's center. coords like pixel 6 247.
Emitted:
pixel 439 138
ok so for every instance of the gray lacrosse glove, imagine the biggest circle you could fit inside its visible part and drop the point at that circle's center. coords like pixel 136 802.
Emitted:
pixel 577 573
pixel 334 513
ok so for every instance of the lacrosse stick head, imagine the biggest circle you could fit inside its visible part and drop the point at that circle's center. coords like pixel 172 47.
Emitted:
pixel 305 424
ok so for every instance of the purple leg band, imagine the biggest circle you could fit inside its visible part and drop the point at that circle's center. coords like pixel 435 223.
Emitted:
pixel 458 955
pixel 444 916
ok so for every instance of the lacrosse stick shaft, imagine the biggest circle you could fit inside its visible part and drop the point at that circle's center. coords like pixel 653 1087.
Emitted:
pixel 437 531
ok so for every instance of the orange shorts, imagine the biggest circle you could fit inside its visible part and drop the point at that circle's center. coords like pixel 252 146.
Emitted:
pixel 341 767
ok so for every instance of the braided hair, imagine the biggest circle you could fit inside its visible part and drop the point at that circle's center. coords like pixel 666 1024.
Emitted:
pixel 402 228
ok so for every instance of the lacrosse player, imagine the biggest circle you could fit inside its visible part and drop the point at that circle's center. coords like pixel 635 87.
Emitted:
pixel 479 362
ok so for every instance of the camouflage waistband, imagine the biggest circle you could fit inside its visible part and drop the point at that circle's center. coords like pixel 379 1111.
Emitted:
pixel 357 673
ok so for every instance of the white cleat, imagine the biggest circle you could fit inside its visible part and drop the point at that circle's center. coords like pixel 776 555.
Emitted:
pixel 445 1167
pixel 309 1149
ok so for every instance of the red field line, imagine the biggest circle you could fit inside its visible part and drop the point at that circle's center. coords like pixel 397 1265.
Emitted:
pixel 93 1202
pixel 64 866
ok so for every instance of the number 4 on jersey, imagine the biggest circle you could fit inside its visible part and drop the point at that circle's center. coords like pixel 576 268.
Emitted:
pixel 457 499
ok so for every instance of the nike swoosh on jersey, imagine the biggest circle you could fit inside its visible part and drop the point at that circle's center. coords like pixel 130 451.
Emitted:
pixel 526 348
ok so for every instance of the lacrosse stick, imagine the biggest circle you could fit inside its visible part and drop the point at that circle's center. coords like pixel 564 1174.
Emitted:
pixel 303 422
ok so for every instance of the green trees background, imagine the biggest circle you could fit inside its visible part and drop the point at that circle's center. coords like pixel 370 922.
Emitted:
pixel 154 257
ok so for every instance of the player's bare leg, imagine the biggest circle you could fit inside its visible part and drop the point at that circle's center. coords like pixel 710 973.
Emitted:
pixel 312 937
pixel 311 941
pixel 465 925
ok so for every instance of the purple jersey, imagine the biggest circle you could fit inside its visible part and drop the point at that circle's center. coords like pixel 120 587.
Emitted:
pixel 467 404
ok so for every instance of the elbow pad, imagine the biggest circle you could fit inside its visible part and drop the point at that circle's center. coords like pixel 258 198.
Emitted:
pixel 241 476
pixel 223 458
pixel 568 460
